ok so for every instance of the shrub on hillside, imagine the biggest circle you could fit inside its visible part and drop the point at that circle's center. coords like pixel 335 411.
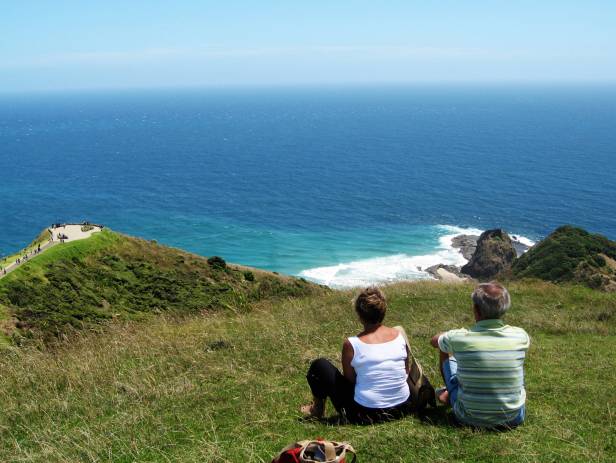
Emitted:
pixel 217 262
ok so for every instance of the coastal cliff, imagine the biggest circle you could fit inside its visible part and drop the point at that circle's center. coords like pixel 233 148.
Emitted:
pixel 109 276
pixel 80 284
pixel 568 254
pixel 571 254
pixel 488 255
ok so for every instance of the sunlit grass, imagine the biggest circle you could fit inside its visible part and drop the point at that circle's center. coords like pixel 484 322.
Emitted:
pixel 225 387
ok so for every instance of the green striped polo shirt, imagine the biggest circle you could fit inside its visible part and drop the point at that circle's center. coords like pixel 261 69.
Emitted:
pixel 490 360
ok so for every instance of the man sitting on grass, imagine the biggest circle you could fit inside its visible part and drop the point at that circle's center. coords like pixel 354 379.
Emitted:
pixel 483 367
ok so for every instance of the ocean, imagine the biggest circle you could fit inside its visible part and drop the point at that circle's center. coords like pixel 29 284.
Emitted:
pixel 345 186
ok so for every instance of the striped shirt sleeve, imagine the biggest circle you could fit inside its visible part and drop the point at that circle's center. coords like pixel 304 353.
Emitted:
pixel 444 340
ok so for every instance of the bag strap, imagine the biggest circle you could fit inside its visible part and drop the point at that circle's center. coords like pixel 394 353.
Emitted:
pixel 295 445
pixel 329 449
pixel 406 339
pixel 403 333
pixel 349 449
pixel 412 359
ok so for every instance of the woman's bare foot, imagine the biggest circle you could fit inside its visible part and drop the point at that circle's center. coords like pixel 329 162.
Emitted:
pixel 315 409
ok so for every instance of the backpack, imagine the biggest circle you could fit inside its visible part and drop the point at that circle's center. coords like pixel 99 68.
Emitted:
pixel 422 392
pixel 312 451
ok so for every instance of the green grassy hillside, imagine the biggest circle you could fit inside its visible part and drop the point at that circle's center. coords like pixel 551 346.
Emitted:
pixel 225 386
pixel 41 239
pixel 571 254
pixel 82 284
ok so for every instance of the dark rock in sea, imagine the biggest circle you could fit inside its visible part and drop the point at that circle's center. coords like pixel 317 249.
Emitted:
pixel 466 244
pixel 433 270
pixel 494 254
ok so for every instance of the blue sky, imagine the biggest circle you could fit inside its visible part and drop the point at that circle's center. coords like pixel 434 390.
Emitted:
pixel 49 45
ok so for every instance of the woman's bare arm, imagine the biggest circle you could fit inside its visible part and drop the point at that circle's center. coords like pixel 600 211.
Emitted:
pixel 347 357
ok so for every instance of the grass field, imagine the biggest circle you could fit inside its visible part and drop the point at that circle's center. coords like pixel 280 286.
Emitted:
pixel 226 387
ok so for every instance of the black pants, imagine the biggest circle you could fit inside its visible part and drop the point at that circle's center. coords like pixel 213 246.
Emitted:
pixel 325 381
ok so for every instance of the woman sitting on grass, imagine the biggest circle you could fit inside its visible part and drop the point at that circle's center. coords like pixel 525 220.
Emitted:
pixel 373 386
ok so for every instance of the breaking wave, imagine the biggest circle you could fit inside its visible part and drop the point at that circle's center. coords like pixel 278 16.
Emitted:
pixel 397 267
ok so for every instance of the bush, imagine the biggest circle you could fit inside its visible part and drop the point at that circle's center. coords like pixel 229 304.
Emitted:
pixel 249 276
pixel 596 281
pixel 599 260
pixel 564 254
pixel 87 228
pixel 217 262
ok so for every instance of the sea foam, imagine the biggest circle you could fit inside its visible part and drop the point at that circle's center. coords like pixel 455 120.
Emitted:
pixel 397 267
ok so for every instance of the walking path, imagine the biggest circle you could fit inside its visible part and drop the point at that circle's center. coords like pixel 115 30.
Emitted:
pixel 30 255
pixel 68 232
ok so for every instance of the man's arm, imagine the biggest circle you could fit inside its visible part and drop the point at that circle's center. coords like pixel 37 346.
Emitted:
pixel 347 357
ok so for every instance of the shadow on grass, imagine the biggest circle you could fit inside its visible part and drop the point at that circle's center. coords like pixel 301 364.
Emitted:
pixel 440 416
pixel 443 416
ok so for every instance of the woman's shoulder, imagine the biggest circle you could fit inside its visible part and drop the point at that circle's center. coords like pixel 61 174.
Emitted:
pixel 385 334
pixel 391 332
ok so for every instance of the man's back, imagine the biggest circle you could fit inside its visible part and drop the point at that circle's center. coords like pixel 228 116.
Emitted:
pixel 490 359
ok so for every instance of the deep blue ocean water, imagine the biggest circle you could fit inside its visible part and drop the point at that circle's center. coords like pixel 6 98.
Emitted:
pixel 298 179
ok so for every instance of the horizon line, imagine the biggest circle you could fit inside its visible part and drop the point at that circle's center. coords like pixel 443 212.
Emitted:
pixel 316 85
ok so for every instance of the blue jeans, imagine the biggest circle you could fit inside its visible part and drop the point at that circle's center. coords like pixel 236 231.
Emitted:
pixel 450 373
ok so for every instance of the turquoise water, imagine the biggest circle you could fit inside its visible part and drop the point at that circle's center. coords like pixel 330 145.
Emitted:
pixel 340 185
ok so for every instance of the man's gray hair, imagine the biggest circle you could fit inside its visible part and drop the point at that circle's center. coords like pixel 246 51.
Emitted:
pixel 491 299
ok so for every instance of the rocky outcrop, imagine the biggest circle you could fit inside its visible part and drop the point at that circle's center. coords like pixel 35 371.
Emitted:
pixel 466 244
pixel 446 273
pixel 494 254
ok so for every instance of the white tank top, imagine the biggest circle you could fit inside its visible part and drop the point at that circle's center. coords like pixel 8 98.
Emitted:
pixel 381 372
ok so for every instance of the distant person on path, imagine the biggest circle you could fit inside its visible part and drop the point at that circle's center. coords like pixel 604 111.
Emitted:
pixel 483 367
pixel 373 384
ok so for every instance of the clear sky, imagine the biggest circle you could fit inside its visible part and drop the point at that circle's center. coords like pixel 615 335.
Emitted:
pixel 61 44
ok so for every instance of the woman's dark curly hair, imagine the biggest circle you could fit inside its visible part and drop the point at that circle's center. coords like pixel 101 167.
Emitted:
pixel 371 305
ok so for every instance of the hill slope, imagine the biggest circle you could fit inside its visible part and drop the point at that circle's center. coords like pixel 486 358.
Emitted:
pixel 83 283
pixel 571 254
pixel 226 387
